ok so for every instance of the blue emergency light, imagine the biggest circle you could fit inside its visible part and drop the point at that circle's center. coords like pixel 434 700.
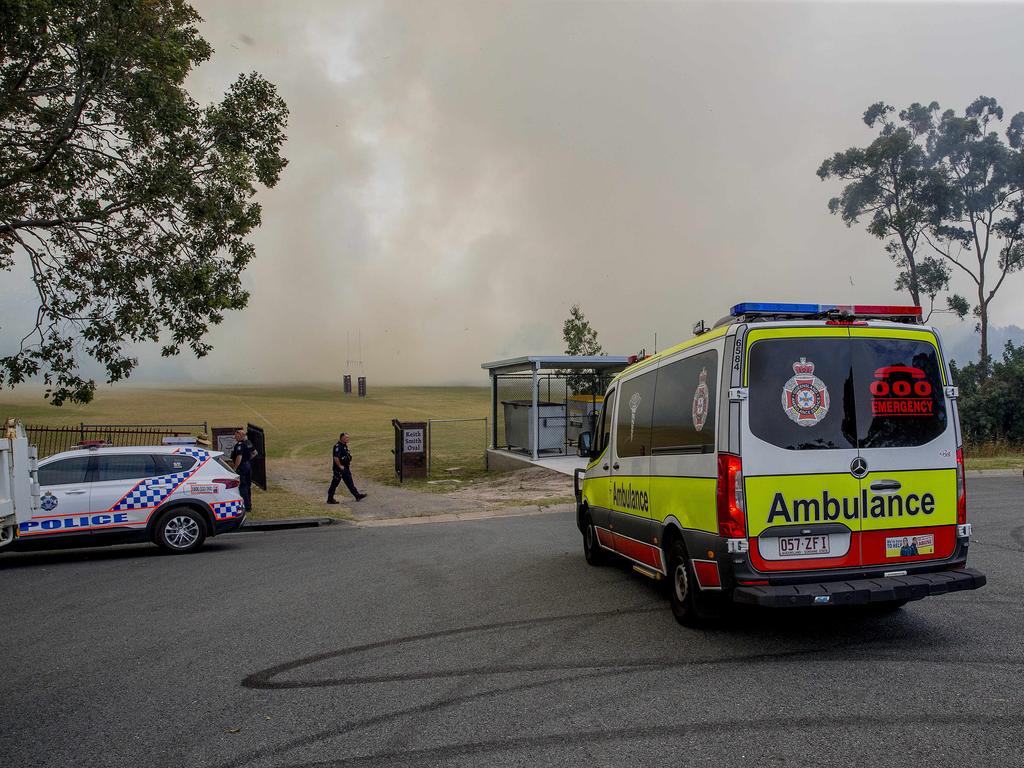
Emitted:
pixel 766 308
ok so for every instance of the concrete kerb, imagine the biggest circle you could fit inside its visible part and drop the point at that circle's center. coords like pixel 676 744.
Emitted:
pixel 994 473
pixel 294 522
pixel 462 517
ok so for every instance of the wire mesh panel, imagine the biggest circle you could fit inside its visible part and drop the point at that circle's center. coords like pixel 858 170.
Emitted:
pixel 568 403
pixel 456 447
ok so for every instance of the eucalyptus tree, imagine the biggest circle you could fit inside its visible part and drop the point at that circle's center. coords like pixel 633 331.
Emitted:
pixel 126 201
pixel 981 231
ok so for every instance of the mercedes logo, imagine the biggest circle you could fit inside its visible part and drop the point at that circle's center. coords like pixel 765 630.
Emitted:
pixel 859 467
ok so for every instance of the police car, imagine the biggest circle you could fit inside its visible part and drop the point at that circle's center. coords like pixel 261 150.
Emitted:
pixel 174 496
pixel 793 455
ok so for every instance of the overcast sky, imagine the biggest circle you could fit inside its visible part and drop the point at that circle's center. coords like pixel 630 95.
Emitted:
pixel 460 173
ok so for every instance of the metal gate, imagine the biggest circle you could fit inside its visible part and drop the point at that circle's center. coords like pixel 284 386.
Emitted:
pixel 258 439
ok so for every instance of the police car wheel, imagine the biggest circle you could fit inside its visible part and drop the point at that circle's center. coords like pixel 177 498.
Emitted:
pixel 591 548
pixel 681 586
pixel 180 531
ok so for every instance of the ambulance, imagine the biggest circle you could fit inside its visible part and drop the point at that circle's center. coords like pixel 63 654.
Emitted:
pixel 792 455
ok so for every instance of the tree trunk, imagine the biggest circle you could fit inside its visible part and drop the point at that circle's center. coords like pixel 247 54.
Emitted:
pixel 909 253
pixel 983 327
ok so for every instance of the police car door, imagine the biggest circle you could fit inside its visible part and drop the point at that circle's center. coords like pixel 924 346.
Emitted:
pixel 799 449
pixel 63 497
pixel 630 515
pixel 127 488
pixel 907 437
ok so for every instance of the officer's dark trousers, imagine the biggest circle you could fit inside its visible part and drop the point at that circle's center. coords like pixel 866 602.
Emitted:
pixel 245 484
pixel 342 475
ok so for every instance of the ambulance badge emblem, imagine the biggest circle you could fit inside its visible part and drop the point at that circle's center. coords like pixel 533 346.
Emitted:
pixel 701 401
pixel 634 403
pixel 805 396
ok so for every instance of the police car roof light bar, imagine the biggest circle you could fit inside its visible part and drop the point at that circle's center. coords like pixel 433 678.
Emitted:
pixel 755 309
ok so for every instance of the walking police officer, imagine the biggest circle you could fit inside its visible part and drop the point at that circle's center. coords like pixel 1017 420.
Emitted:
pixel 341 459
pixel 242 455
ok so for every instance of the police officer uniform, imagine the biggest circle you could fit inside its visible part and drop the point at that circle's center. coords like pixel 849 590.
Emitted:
pixel 244 449
pixel 343 473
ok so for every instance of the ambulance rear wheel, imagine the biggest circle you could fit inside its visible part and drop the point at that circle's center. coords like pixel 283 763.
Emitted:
pixel 180 531
pixel 591 547
pixel 682 586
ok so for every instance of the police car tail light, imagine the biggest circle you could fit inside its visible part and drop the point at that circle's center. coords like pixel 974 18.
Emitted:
pixel 961 488
pixel 730 502
pixel 227 482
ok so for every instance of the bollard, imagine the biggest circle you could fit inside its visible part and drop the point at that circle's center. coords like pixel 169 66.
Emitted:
pixel 347 384
pixel 362 386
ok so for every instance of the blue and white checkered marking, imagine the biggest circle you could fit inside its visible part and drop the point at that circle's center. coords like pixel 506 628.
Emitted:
pixel 199 453
pixel 152 492
pixel 225 510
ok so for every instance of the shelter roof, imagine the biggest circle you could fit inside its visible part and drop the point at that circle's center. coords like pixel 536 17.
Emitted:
pixel 544 362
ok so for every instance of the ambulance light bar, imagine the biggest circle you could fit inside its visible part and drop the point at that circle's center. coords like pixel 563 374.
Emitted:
pixel 753 309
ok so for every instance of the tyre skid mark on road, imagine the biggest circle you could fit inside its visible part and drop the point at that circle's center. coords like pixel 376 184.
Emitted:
pixel 655 732
pixel 574 672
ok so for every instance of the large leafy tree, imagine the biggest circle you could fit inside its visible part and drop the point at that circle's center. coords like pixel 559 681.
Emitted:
pixel 982 229
pixel 893 183
pixel 947 194
pixel 129 202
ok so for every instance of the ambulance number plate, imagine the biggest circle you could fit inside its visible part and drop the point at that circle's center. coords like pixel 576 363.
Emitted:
pixel 803 546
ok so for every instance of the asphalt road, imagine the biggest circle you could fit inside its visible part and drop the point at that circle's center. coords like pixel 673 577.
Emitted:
pixel 489 643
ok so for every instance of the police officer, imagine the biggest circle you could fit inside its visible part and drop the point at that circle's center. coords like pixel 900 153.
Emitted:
pixel 341 458
pixel 242 455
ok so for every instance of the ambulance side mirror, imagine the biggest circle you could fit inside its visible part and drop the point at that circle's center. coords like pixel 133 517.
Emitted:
pixel 584 445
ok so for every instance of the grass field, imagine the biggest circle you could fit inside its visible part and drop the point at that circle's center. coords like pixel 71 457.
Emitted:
pixel 301 422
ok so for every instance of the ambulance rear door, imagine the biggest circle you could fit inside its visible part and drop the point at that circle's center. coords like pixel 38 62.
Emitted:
pixel 907 437
pixel 800 461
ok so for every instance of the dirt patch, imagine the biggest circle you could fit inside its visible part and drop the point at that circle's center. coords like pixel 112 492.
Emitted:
pixel 309 479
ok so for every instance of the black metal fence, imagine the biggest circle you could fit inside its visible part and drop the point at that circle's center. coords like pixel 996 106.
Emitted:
pixel 50 440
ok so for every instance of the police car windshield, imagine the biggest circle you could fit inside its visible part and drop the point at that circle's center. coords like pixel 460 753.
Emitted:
pixel 835 393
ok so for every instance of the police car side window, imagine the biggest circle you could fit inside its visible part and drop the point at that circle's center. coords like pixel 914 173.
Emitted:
pixel 64 472
pixel 684 405
pixel 633 425
pixel 168 464
pixel 128 466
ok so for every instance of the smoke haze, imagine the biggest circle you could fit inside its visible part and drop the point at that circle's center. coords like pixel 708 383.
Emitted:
pixel 460 173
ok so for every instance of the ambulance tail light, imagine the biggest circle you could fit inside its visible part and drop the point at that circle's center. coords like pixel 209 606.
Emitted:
pixel 961 488
pixel 227 482
pixel 732 522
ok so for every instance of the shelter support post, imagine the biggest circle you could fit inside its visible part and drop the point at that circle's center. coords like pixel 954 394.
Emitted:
pixel 535 437
pixel 494 409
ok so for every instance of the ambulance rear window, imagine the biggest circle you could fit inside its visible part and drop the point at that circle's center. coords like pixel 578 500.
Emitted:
pixel 900 399
pixel 826 393
pixel 801 393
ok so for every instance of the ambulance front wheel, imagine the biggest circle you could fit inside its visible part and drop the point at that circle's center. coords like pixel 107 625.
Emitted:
pixel 591 547
pixel 180 531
